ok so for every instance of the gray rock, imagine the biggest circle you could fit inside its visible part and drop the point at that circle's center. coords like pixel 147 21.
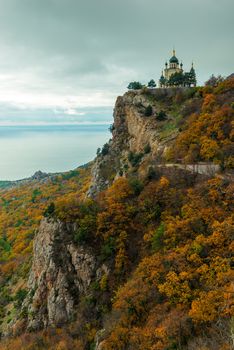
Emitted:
pixel 61 272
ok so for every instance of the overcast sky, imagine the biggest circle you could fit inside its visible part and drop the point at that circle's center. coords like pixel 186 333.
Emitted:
pixel 67 60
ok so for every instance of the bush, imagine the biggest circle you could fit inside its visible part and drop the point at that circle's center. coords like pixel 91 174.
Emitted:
pixel 147 149
pixel 161 116
pixel 152 174
pixel 157 238
pixel 105 149
pixel 87 226
pixel 136 185
pixel 70 174
pixel 135 158
pixel 214 81
pixel 19 297
pixel 135 85
pixel 86 222
pixel 108 248
pixel 49 212
pixel 148 111
pixel 151 84
pixel 111 128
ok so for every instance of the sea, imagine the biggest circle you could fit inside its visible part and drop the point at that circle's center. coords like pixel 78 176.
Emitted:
pixel 49 148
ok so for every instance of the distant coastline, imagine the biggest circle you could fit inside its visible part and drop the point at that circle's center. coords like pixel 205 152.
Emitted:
pixel 52 148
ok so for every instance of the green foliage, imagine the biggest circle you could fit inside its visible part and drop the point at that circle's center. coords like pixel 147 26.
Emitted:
pixel 111 128
pixel 19 297
pixel 69 175
pixel 50 210
pixel 135 85
pixel 176 79
pixel 151 173
pixel 151 84
pixel 86 223
pixel 105 149
pixel 108 248
pixel 35 193
pixel 136 185
pixel 5 245
pixel 5 203
pixel 181 79
pixel 148 111
pixel 161 115
pixel 214 81
pixel 157 239
pixel 147 148
pixel 135 158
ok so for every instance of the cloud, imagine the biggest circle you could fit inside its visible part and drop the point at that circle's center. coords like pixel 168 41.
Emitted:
pixel 73 55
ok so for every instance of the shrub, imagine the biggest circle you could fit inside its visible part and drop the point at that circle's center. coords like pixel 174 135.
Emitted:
pixel 135 85
pixel 152 84
pixel 148 111
pixel 19 297
pixel 135 158
pixel 147 148
pixel 161 116
pixel 157 238
pixel 108 249
pixel 87 226
pixel 152 174
pixel 214 81
pixel 111 128
pixel 105 149
pixel 49 212
pixel 136 186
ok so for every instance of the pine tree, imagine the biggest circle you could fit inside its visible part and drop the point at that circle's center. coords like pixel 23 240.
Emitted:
pixel 151 84
pixel 193 80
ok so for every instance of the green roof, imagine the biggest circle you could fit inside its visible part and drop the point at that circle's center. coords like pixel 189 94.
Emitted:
pixel 174 59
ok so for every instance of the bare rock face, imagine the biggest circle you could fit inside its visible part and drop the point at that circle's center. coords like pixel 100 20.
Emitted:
pixel 132 132
pixel 61 272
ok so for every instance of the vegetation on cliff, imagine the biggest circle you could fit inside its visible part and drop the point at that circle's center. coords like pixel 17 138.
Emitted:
pixel 164 234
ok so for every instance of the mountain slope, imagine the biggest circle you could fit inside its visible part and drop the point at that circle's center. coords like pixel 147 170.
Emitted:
pixel 138 256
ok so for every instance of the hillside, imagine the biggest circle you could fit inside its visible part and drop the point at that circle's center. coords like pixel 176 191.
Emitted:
pixel 134 251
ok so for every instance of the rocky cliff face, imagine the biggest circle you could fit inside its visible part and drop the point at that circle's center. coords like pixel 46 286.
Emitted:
pixel 133 131
pixel 61 273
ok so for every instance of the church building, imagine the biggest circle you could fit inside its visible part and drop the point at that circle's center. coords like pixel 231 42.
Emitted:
pixel 174 75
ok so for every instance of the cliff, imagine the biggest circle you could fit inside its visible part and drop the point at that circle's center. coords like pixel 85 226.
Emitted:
pixel 61 274
pixel 142 138
pixel 136 253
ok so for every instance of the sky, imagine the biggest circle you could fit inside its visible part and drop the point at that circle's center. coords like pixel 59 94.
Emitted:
pixel 66 61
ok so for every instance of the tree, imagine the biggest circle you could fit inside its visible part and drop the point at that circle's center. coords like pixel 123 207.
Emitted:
pixel 111 128
pixel 148 111
pixel 151 84
pixel 192 75
pixel 163 81
pixel 105 149
pixel 49 210
pixel 214 81
pixel 187 79
pixel 161 116
pixel 176 79
pixel 135 85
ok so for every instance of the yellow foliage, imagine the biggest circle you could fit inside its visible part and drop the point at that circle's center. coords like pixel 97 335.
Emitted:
pixel 207 307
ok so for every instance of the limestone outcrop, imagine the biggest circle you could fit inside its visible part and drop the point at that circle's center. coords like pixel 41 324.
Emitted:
pixel 61 272
pixel 132 132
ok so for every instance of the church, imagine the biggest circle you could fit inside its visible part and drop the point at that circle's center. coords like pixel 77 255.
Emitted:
pixel 174 75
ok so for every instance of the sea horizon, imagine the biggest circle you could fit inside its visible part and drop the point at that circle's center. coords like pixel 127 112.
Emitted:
pixel 50 148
